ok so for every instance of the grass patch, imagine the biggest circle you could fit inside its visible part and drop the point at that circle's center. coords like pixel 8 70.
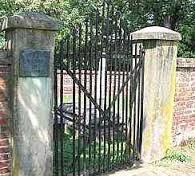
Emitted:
pixel 92 155
pixel 180 153
pixel 176 155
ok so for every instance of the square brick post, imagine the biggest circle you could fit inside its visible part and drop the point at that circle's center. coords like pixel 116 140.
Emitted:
pixel 160 45
pixel 30 42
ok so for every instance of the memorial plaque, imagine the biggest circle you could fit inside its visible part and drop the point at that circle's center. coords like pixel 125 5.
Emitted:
pixel 34 63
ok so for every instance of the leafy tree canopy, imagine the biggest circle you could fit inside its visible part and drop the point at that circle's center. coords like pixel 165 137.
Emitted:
pixel 175 14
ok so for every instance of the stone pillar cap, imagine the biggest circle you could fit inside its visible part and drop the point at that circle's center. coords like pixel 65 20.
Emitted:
pixel 156 33
pixel 30 20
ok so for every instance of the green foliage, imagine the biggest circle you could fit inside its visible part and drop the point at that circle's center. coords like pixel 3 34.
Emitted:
pixel 175 155
pixel 187 45
pixel 97 150
pixel 176 14
pixel 2 41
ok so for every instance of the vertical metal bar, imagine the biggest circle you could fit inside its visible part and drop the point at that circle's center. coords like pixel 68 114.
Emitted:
pixel 131 101
pixel 123 96
pixel 79 102
pixel 114 88
pixel 110 88
pixel 100 103
pixel 55 134
pixel 118 109
pixel 105 83
pixel 95 90
pixel 138 104
pixel 134 103
pixel 119 83
pixel 105 116
pixel 90 91
pixel 142 97
pixel 85 86
pixel 61 115
pixel 127 115
pixel 68 62
pixel 100 98
pixel 74 102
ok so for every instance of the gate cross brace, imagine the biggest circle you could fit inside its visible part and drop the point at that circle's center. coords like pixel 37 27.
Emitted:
pixel 78 82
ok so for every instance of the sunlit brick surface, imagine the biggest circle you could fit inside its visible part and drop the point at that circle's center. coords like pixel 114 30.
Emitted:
pixel 184 110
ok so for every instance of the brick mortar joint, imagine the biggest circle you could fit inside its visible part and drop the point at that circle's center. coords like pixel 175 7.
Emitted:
pixel 185 62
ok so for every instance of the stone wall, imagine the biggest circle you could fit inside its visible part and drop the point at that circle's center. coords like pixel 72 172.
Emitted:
pixel 184 109
pixel 5 158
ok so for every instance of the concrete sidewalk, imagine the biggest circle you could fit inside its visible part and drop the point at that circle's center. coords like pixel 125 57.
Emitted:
pixel 162 168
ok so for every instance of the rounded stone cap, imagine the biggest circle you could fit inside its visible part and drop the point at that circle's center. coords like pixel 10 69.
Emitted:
pixel 156 33
pixel 30 20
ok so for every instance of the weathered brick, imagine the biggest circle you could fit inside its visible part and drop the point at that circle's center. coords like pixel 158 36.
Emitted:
pixel 4 156
pixel 5 172
pixel 4 142
pixel 4 149
pixel 184 108
pixel 5 161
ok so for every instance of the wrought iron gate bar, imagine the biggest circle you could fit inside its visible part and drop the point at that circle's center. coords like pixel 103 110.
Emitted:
pixel 79 103
pixel 98 121
pixel 85 100
pixel 61 118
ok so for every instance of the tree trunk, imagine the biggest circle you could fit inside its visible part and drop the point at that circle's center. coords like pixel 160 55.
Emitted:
pixel 170 22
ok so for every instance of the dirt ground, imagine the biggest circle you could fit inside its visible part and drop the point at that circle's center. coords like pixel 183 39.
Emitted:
pixel 164 167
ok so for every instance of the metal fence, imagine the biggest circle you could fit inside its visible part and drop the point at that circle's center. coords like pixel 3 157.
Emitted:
pixel 98 127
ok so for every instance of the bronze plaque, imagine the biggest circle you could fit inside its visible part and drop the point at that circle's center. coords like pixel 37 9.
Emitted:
pixel 34 63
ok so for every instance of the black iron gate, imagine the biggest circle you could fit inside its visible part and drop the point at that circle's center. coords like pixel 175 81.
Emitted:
pixel 98 97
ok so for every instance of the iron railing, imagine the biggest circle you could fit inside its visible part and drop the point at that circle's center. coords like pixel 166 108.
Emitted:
pixel 98 126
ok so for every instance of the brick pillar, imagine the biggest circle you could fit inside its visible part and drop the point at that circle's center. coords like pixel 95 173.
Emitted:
pixel 160 45
pixel 30 42
pixel 5 132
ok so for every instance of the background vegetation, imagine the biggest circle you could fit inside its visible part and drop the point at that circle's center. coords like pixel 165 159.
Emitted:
pixel 177 15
